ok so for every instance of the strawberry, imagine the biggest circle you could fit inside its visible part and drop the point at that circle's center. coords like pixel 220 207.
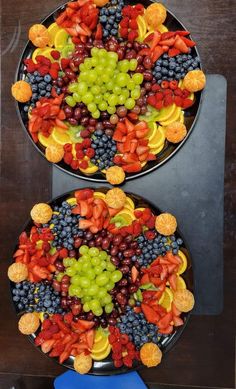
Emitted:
pixel 157 53
pixel 167 330
pixel 178 101
pixel 124 32
pixel 117 136
pixel 132 35
pixel 188 42
pixel 187 103
pixel 124 22
pixel 168 100
pixel 99 32
pixel 151 157
pixel 173 52
pixel 152 100
pixel 55 54
pixel 173 281
pixel 133 167
pixel 83 164
pixel 149 313
pixel 159 96
pixel 173 84
pixel 65 63
pixel 133 25
pixel 134 274
pixel 165 321
pixel 142 150
pixel 150 235
pixel 181 45
pixel 159 105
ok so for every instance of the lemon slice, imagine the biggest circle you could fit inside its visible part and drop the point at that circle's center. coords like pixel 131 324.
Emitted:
pixel 183 266
pixel 158 139
pixel 129 203
pixel 180 283
pixel 126 216
pixel 139 209
pixel 172 118
pixel 99 335
pixel 162 28
pixel 72 201
pixel 166 113
pixel 153 128
pixel 157 150
pixel 99 195
pixel 166 299
pixel 102 355
pixel 100 346
pixel 53 29
pixel 36 53
pixel 46 141
pixel 142 27
pixel 181 117
pixel 127 212
pixel 61 38
pixel 60 136
pixel 91 169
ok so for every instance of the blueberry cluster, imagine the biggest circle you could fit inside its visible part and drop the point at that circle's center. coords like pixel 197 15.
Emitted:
pixel 174 68
pixel 110 17
pixel 65 226
pixel 137 328
pixel 105 149
pixel 157 246
pixel 39 297
pixel 41 87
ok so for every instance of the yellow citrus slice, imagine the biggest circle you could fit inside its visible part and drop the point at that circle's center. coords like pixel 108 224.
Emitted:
pixel 180 283
pixel 53 29
pixel 172 118
pixel 129 203
pixel 46 141
pixel 166 299
pixel 91 169
pixel 166 112
pixel 158 139
pixel 181 117
pixel 152 129
pixel 98 336
pixel 60 136
pixel 102 355
pixel 142 27
pixel 72 201
pixel 99 195
pixel 139 209
pixel 184 264
pixel 161 28
pixel 36 53
pixel 100 346
pixel 129 217
pixel 184 300
pixel 157 150
pixel 61 38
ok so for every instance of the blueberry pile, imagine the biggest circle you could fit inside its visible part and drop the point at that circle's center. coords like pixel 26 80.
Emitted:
pixel 110 17
pixel 105 149
pixel 174 68
pixel 41 87
pixel 65 226
pixel 158 246
pixel 137 328
pixel 39 297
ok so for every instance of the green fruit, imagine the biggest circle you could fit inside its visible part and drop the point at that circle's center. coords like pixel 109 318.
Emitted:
pixel 74 133
pixel 67 50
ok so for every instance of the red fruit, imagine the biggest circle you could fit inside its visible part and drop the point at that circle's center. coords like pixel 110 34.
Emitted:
pixel 150 235
pixel 68 317
pixel 99 32
pixel 165 321
pixel 55 54
pixel 133 24
pixel 65 62
pixel 90 338
pixel 138 214
pixel 124 22
pixel 118 363
pixel 178 92
pixel 47 346
pixel 112 338
pixel 86 143
pixel 168 100
pixel 74 164
pixel 173 52
pixel 151 157
pixel 187 103
pixel 118 136
pixel 165 84
pixel 142 150
pixel 90 152
pixel 79 154
pixel 124 339
pixel 188 42
pixel 159 96
pixel 152 100
pixel 83 164
pixel 132 168
pixel 126 11
pixel 157 52
pixel 149 313
pixel 124 32
pixel 68 158
pixel 87 325
pixel 134 274
pixel 173 281
pixel 63 253
pixel 132 35
pixel 127 361
pixel 181 45
pixel 46 324
pixel 178 321
pixel 167 330
pixel 139 8
pixel 178 101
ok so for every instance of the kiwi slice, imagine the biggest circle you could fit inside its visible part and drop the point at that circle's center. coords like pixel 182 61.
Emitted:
pixel 67 50
pixel 119 221
pixel 74 133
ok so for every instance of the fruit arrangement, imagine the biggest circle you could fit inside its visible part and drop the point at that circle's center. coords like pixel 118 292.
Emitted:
pixel 101 275
pixel 107 84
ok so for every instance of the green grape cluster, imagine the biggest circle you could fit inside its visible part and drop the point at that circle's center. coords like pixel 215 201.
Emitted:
pixel 104 82
pixel 92 277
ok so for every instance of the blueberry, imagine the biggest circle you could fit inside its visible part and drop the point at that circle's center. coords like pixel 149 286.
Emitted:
pixel 175 251
pixel 179 241
pixel 164 71
pixel 47 78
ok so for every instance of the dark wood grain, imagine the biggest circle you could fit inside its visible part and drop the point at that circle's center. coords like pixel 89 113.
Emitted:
pixel 204 357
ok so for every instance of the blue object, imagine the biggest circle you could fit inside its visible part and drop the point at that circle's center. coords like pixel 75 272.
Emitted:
pixel 72 380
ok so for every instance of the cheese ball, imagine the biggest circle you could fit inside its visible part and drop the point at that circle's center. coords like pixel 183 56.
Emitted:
pixel 115 175
pixel 184 300
pixel 28 323
pixel 41 213
pixel 115 198
pixel 17 272
pixel 83 363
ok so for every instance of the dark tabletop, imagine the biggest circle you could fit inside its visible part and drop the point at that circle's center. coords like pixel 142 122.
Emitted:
pixel 204 357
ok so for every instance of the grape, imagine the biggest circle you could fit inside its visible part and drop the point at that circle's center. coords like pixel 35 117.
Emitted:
pixel 98 270
pixel 70 101
pixel 86 266
pixel 121 79
pixel 112 101
pixel 130 103
pixel 73 87
pixel 138 78
pixel 109 307
pixel 70 271
pixel 67 262
pixel 93 252
pixel 133 63
pixel 82 88
pixel 102 279
pixel 83 249
pixel 113 56
pixel 110 285
pixel 131 85
pixel 84 282
pixel 117 90
pixel 78 266
pixel 101 293
pixel 87 63
pixel 116 276
pixel 92 76
pixel 88 98
pixel 94 304
pixel 90 274
pixel 94 51
pixel 75 280
pixel 93 290
pixel 98 99
pixel 121 100
pixel 96 114
pixel 103 265
pixel 86 307
pixel 92 107
pixel 124 66
pixel 103 106
pixel 107 299
pixel 111 110
pixel 96 90
pixel 97 312
pixel 59 276
pixel 77 97
pixel 135 94
pixel 96 261
pixel 110 267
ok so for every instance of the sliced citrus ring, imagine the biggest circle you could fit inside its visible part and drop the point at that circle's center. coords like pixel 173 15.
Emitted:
pixel 184 300
pixel 142 27
pixel 180 283
pixel 61 38
pixel 99 195
pixel 100 346
pixel 184 264
pixel 173 117
pixel 161 28
pixel 103 355
pixel 36 53
pixel 157 150
pixel 72 201
pixel 53 30
pixel 166 113
pixel 127 213
pixel 166 299
pixel 46 141
pixel 129 203
pixel 181 117
pixel 153 128
pixel 195 80
pixel 166 224
pixel 158 139
pixel 90 169
pixel 98 334
pixel 60 136
pixel 150 354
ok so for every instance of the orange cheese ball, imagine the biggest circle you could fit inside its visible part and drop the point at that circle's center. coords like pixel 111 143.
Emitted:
pixel 28 323
pixel 83 363
pixel 115 175
pixel 115 198
pixel 41 213
pixel 17 272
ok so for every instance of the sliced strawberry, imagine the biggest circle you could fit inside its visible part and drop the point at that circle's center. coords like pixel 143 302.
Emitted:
pixel 178 321
pixel 173 52
pixel 150 314
pixel 84 224
pixel 90 334
pixel 132 168
pixel 167 330
pixel 181 45
pixel 173 281
pixel 165 321
pixel 134 274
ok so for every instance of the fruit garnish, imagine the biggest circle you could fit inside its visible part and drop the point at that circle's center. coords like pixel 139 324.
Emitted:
pixel 82 363
pixel 101 3
pixel 115 198
pixel 115 175
pixel 54 153
pixel 150 355
pixel 17 272
pixel 184 300
pixel 175 132
pixel 184 262
pixel 155 15
pixel 28 323
pixel 195 80
pixel 21 91
pixel 41 213
pixel 39 35
pixel 166 224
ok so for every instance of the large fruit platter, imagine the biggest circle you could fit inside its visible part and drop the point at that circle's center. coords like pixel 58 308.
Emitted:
pixel 108 90
pixel 100 280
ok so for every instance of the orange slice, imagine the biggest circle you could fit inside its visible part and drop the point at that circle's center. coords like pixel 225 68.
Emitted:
pixel 166 224
pixel 184 300
pixel 54 153
pixel 150 354
pixel 115 175
pixel 195 80
pixel 175 132
pixel 39 35
pixel 21 91
pixel 115 198
pixel 41 213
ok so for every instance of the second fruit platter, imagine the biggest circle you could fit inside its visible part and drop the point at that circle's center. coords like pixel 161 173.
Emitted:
pixel 101 281
pixel 108 90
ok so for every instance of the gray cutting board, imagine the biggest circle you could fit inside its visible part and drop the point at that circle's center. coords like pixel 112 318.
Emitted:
pixel 191 185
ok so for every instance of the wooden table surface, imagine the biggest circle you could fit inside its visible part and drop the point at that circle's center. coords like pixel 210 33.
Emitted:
pixel 204 357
